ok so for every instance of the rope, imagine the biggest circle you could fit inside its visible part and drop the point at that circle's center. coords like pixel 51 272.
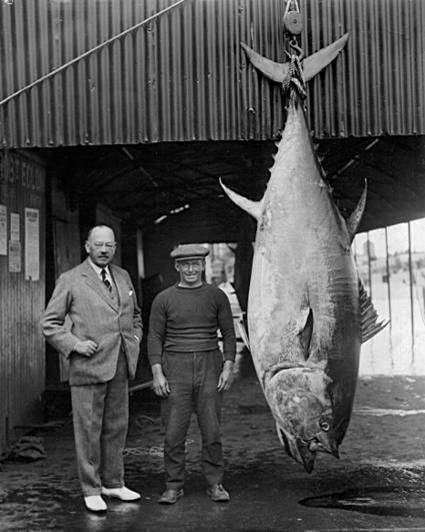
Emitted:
pixel 295 81
pixel 92 50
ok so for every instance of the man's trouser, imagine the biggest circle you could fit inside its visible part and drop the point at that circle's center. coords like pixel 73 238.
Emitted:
pixel 193 379
pixel 100 415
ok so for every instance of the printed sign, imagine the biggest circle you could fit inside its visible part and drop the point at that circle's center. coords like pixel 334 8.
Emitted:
pixel 14 227
pixel 3 230
pixel 15 263
pixel 32 244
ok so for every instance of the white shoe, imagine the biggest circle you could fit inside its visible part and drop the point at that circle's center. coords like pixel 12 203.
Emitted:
pixel 124 494
pixel 95 503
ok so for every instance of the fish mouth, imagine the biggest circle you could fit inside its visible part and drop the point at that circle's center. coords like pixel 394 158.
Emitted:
pixel 298 449
pixel 303 451
pixel 324 443
pixel 298 396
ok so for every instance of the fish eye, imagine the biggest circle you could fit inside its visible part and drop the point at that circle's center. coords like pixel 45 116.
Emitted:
pixel 325 425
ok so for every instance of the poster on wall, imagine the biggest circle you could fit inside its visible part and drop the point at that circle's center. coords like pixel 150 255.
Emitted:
pixel 3 230
pixel 14 227
pixel 32 244
pixel 15 265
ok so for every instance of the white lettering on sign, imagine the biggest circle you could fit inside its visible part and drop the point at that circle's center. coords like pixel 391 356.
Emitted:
pixel 19 171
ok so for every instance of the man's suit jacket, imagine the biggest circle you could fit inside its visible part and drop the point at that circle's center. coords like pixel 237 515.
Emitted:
pixel 80 294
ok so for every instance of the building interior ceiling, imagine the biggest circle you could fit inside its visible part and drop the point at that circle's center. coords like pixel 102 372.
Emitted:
pixel 147 181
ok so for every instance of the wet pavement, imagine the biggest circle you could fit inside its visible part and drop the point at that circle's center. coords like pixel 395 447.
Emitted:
pixel 378 484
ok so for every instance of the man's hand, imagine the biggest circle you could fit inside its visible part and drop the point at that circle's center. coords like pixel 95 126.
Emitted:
pixel 226 377
pixel 160 384
pixel 86 348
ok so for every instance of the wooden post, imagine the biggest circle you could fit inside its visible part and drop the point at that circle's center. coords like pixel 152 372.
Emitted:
pixel 243 263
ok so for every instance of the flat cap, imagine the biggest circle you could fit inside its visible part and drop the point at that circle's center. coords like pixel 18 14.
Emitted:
pixel 189 251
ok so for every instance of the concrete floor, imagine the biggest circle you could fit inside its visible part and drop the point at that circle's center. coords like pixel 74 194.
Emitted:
pixel 378 484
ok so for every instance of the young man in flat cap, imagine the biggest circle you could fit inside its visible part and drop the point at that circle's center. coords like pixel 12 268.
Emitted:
pixel 189 371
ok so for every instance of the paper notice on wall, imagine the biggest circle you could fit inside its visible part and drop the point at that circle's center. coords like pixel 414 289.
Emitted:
pixel 32 244
pixel 3 230
pixel 14 226
pixel 15 263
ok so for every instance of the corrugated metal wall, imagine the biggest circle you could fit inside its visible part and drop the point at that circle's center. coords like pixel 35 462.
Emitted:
pixel 379 85
pixel 184 77
pixel 22 354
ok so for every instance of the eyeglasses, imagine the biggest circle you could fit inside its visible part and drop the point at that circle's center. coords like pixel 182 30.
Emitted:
pixel 109 245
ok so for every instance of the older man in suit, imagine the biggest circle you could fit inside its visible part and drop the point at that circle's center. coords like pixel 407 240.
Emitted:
pixel 102 347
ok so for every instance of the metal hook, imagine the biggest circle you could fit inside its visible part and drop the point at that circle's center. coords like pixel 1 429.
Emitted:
pixel 291 5
pixel 295 46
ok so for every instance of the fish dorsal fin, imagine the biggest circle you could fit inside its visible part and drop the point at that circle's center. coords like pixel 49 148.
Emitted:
pixel 251 207
pixel 305 327
pixel 312 65
pixel 356 216
pixel 368 316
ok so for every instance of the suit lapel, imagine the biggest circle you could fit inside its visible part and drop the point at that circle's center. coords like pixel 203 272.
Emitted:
pixel 93 281
pixel 119 283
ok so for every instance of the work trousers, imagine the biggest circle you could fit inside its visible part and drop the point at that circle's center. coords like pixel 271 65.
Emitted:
pixel 193 379
pixel 100 416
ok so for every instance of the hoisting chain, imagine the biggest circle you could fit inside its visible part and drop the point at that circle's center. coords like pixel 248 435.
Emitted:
pixel 295 80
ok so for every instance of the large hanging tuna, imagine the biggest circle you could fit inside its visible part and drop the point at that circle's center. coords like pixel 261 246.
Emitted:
pixel 308 312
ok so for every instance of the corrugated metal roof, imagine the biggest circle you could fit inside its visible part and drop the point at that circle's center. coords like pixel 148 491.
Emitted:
pixel 184 76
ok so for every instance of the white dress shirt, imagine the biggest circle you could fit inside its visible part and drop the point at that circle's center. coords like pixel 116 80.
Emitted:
pixel 98 270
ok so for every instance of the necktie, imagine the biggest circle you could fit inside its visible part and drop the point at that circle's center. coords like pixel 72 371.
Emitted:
pixel 105 280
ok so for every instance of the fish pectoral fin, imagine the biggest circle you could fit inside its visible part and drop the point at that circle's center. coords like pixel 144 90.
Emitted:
pixel 305 327
pixel 370 326
pixel 251 207
pixel 356 216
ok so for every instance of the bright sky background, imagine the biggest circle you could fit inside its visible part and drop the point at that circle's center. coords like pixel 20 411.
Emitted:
pixel 397 238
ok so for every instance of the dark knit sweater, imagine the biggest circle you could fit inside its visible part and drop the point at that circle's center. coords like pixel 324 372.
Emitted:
pixel 187 319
